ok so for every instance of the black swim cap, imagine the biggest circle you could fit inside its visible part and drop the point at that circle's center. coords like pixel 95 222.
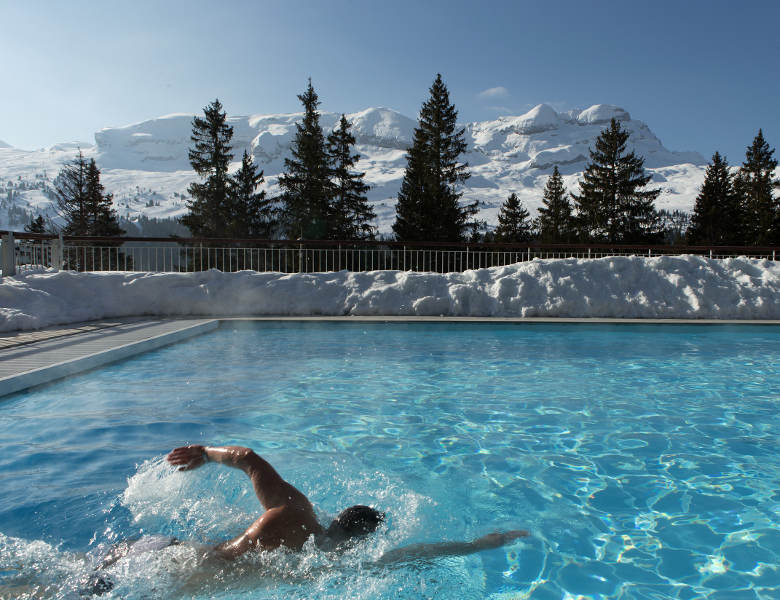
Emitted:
pixel 355 520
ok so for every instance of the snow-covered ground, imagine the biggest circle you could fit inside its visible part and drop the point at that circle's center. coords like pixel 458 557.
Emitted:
pixel 690 287
pixel 145 165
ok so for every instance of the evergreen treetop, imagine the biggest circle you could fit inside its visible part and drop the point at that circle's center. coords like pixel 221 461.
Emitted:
pixel 613 205
pixel 755 185
pixel 210 157
pixel 103 218
pixel 306 188
pixel 555 214
pixel 251 214
pixel 717 214
pixel 514 222
pixel 70 190
pixel 351 214
pixel 429 207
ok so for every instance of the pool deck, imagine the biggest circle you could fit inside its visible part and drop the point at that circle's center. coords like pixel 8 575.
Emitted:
pixel 33 358
pixel 30 358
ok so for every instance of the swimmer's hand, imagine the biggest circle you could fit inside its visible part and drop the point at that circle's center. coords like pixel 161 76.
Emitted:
pixel 496 540
pixel 187 458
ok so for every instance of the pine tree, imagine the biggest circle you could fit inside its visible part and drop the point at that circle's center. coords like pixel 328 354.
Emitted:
pixel 514 221
pixel 612 205
pixel 210 157
pixel 429 207
pixel 755 186
pixel 251 214
pixel 716 214
pixel 555 215
pixel 306 188
pixel 351 214
pixel 70 192
pixel 87 211
pixel 82 202
pixel 103 220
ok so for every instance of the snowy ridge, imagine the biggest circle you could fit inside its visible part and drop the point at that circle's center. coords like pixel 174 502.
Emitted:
pixel 162 144
pixel 148 160
pixel 690 287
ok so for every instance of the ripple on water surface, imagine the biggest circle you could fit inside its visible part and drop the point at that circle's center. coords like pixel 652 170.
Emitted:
pixel 642 458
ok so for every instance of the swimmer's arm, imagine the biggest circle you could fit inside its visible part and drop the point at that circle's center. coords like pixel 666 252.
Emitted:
pixel 269 486
pixel 234 548
pixel 418 551
pixel 262 534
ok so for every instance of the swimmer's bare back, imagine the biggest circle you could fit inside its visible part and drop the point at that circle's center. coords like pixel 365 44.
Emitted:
pixel 289 517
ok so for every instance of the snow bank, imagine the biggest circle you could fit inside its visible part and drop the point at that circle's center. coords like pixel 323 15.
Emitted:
pixel 628 287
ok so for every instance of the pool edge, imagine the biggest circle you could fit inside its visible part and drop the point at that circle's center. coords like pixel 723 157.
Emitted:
pixel 42 375
pixel 529 320
pixel 46 374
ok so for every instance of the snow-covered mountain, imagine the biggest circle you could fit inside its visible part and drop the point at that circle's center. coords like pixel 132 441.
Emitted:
pixel 145 164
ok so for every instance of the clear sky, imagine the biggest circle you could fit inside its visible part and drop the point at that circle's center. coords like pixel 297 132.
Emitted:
pixel 703 74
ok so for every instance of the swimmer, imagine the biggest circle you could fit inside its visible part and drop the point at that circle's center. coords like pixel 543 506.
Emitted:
pixel 288 520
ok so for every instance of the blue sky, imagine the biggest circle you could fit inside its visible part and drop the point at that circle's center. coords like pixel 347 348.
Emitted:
pixel 702 74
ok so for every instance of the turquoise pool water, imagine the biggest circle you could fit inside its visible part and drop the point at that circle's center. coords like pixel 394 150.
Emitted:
pixel 643 459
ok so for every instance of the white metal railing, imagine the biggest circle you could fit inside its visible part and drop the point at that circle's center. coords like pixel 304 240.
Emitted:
pixel 26 254
pixel 314 260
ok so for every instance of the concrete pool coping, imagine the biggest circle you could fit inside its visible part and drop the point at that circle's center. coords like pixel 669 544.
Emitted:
pixel 32 358
pixel 40 357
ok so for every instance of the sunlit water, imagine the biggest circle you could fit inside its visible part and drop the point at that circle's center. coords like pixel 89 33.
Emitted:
pixel 643 459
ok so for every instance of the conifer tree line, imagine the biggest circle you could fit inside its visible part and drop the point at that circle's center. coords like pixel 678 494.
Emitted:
pixel 742 207
pixel 323 195
pixel 739 208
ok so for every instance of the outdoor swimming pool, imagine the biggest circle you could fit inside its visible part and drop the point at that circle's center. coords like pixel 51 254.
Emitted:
pixel 642 458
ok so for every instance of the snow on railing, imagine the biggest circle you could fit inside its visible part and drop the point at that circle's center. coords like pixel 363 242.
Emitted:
pixel 24 251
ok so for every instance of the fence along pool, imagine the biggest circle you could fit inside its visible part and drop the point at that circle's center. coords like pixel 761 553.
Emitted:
pixel 23 251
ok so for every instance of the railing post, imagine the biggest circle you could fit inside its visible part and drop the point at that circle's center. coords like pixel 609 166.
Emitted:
pixel 56 253
pixel 9 264
pixel 710 252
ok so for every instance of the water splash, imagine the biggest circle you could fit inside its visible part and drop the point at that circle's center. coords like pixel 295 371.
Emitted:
pixel 215 503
